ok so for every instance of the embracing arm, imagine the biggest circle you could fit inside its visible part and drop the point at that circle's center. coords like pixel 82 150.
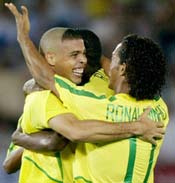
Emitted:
pixel 43 141
pixel 100 131
pixel 12 162
pixel 36 63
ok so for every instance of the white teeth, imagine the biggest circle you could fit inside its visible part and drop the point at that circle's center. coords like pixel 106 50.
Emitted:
pixel 78 71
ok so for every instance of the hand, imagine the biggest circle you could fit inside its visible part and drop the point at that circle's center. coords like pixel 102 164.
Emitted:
pixel 31 86
pixel 22 20
pixel 57 142
pixel 151 130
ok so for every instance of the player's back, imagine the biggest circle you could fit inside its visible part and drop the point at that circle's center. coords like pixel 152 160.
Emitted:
pixel 130 160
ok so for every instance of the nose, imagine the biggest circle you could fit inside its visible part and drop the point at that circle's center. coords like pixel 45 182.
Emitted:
pixel 83 59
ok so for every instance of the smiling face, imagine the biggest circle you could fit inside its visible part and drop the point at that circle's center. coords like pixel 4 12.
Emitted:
pixel 69 60
pixel 64 51
pixel 116 71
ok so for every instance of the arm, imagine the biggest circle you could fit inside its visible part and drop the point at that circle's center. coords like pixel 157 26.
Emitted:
pixel 44 141
pixel 13 161
pixel 96 131
pixel 36 63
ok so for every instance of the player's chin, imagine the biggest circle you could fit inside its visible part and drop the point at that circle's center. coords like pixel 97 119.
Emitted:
pixel 77 79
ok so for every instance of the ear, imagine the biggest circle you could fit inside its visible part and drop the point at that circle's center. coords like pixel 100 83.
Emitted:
pixel 122 69
pixel 50 57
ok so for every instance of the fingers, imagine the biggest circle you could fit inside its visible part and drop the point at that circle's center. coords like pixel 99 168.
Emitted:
pixel 153 141
pixel 159 125
pixel 13 9
pixel 146 112
pixel 149 139
pixel 161 131
pixel 158 136
pixel 24 10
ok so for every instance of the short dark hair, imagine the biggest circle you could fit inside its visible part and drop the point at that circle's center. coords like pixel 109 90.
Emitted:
pixel 93 52
pixel 71 34
pixel 145 66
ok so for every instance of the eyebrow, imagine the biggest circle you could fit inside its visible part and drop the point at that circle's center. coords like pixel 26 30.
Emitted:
pixel 77 51
pixel 74 52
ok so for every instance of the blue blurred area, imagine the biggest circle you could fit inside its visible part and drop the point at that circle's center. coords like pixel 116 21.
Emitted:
pixel 110 20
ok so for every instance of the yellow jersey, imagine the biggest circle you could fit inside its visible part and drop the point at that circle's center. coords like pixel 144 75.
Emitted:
pixel 40 167
pixel 130 160
pixel 98 83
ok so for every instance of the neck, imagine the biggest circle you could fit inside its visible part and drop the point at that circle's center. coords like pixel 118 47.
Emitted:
pixel 122 87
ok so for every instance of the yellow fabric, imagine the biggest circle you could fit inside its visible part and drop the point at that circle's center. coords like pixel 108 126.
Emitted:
pixel 67 157
pixel 98 83
pixel 40 167
pixel 130 160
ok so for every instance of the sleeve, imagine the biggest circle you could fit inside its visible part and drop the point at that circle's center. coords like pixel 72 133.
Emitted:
pixel 41 108
pixel 54 107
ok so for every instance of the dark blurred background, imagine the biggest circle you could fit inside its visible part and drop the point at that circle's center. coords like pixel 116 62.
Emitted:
pixel 110 20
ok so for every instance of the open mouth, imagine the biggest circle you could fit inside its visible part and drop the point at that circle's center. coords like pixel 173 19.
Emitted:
pixel 78 72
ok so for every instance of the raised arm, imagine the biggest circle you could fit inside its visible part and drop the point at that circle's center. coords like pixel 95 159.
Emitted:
pixel 100 131
pixel 36 63
pixel 43 141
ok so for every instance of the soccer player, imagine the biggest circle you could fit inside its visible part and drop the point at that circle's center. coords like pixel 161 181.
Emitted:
pixel 137 75
pixel 34 161
pixel 48 166
pixel 88 134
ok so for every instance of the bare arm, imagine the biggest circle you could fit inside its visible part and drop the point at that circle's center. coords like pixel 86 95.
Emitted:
pixel 12 162
pixel 95 131
pixel 36 63
pixel 44 141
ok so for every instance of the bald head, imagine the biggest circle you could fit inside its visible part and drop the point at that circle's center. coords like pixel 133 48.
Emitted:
pixel 51 40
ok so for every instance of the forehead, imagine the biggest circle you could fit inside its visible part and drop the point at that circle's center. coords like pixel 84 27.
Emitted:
pixel 116 49
pixel 72 44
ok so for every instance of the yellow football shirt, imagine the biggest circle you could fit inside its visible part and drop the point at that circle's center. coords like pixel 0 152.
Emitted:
pixel 98 83
pixel 130 160
pixel 40 167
